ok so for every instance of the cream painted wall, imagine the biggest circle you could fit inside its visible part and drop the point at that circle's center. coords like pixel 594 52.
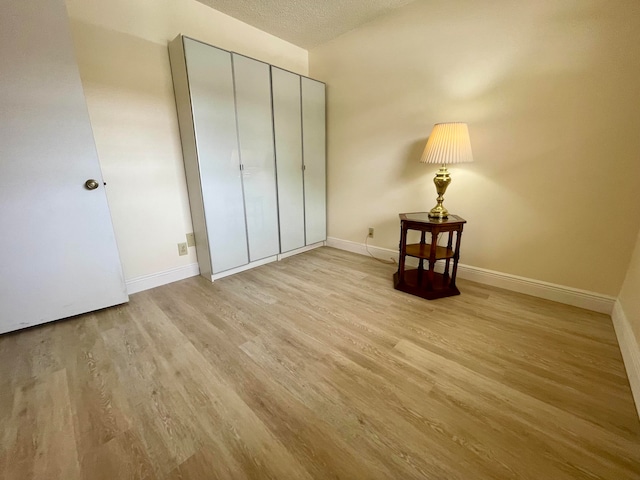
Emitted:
pixel 630 293
pixel 550 90
pixel 121 47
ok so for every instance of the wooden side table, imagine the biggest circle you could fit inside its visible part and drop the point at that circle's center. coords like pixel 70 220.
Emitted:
pixel 429 284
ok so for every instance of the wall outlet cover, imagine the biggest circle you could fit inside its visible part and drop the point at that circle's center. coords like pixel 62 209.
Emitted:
pixel 182 249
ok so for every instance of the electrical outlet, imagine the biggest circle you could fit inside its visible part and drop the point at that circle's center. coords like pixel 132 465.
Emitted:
pixel 182 249
pixel 191 240
pixel 370 232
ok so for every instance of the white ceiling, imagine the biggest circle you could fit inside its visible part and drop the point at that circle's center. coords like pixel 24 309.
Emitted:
pixel 306 23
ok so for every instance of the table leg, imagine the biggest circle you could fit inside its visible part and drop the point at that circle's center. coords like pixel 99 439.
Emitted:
pixel 421 262
pixel 447 263
pixel 403 252
pixel 456 256
pixel 432 259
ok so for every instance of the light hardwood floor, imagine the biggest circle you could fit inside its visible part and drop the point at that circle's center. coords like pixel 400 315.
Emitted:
pixel 314 367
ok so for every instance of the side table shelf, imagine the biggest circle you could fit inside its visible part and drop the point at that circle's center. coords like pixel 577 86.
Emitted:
pixel 420 250
pixel 428 283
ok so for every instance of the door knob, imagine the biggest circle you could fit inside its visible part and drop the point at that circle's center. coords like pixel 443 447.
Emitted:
pixel 91 184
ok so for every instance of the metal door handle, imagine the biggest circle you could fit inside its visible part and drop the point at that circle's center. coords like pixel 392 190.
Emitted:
pixel 91 184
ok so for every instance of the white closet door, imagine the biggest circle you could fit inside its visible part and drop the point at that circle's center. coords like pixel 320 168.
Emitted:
pixel 255 133
pixel 314 155
pixel 287 118
pixel 214 119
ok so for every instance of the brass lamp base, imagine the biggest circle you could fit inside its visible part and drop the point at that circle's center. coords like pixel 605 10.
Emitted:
pixel 439 212
pixel 442 181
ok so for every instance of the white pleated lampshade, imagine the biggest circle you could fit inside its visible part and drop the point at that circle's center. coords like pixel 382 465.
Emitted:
pixel 448 143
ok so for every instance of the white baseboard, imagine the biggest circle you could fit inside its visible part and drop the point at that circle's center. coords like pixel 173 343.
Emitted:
pixel 630 350
pixel 361 248
pixel 145 282
pixel 537 288
pixel 596 302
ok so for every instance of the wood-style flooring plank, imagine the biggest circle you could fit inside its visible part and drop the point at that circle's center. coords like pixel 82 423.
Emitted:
pixel 41 442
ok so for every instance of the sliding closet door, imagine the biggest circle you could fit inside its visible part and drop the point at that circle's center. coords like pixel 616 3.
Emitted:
pixel 255 132
pixel 314 154
pixel 287 119
pixel 210 80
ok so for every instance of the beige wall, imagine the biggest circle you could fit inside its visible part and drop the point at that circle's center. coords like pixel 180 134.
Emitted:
pixel 121 47
pixel 550 90
pixel 630 293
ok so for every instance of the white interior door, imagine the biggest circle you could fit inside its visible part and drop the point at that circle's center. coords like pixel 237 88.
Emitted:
pixel 58 254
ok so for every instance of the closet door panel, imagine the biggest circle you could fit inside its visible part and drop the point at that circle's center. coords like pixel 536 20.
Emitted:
pixel 314 157
pixel 255 133
pixel 214 118
pixel 287 118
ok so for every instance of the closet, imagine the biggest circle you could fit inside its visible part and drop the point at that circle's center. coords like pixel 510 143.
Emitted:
pixel 253 141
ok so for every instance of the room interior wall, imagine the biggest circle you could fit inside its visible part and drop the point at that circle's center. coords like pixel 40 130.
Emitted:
pixel 549 89
pixel 121 48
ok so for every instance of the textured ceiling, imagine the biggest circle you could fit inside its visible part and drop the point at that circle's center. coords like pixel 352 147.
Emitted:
pixel 306 23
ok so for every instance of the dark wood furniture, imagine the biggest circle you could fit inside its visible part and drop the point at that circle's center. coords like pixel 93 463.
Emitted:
pixel 429 284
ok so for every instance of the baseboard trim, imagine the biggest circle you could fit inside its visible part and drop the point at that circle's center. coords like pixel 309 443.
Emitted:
pixel 146 282
pixel 361 248
pixel 630 350
pixel 537 288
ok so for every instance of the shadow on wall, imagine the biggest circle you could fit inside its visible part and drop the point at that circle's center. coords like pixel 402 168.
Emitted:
pixel 411 166
pixel 129 92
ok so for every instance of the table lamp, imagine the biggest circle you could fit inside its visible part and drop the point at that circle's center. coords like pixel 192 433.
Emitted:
pixel 448 143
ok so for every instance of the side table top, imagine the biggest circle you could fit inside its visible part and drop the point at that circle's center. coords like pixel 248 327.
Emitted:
pixel 423 217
